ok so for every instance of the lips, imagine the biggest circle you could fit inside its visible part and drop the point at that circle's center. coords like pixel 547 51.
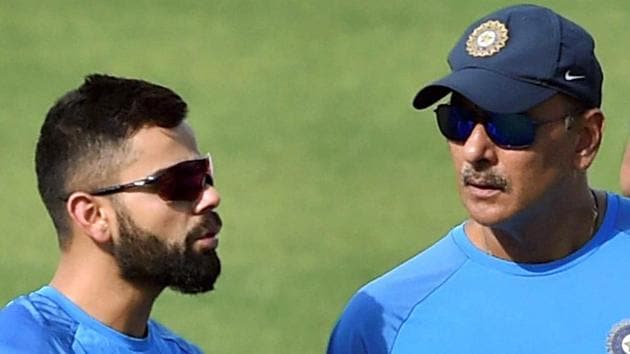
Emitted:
pixel 208 229
pixel 209 241
pixel 211 233
pixel 481 184
pixel 207 236
pixel 482 190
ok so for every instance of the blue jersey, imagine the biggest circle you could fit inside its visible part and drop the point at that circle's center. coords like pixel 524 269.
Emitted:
pixel 453 298
pixel 45 321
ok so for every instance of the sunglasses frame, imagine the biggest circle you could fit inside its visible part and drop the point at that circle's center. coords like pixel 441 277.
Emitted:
pixel 489 117
pixel 154 179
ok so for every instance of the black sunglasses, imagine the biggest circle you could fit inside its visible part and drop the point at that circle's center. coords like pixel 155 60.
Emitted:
pixel 508 131
pixel 184 181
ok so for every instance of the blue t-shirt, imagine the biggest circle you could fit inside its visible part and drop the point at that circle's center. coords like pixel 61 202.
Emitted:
pixel 45 321
pixel 453 298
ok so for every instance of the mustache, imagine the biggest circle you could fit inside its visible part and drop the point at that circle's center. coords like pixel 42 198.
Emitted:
pixel 487 178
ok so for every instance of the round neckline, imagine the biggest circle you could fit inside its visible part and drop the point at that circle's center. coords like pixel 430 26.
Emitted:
pixel 540 269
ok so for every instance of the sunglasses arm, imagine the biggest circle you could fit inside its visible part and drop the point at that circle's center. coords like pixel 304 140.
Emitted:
pixel 120 187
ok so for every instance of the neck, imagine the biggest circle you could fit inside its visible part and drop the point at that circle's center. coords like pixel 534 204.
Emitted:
pixel 92 285
pixel 542 236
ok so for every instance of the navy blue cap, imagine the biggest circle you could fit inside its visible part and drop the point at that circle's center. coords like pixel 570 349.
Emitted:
pixel 517 57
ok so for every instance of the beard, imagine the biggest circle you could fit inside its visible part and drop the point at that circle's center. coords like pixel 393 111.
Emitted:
pixel 144 258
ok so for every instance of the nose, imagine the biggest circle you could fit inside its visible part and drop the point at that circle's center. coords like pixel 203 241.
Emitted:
pixel 210 200
pixel 479 148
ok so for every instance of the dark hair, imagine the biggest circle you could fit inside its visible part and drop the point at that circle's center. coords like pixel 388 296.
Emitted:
pixel 84 136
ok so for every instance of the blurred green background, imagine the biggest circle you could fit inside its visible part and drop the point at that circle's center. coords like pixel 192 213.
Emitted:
pixel 328 176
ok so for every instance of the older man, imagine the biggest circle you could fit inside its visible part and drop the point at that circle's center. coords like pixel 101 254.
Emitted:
pixel 541 265
pixel 132 201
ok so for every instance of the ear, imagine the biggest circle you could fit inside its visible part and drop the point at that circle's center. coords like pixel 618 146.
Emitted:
pixel 589 138
pixel 90 215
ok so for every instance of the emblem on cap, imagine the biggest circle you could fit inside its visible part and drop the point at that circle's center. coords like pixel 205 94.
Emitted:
pixel 619 338
pixel 487 39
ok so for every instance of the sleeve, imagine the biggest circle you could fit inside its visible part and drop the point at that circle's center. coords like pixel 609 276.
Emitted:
pixel 360 329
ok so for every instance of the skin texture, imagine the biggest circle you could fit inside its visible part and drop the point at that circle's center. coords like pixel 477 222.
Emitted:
pixel 531 205
pixel 89 271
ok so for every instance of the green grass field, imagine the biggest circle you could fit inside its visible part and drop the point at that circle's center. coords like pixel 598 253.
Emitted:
pixel 328 176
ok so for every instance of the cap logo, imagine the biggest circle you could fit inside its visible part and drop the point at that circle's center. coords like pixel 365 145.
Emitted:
pixel 487 39
pixel 570 77
pixel 619 338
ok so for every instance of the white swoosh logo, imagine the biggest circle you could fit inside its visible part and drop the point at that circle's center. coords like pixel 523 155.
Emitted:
pixel 569 77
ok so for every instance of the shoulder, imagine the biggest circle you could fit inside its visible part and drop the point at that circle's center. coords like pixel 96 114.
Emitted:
pixel 23 329
pixel 375 314
pixel 171 341
pixel 620 206
pixel 421 274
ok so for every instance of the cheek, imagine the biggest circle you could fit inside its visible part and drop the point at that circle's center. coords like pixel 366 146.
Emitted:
pixel 155 216
pixel 456 157
pixel 532 177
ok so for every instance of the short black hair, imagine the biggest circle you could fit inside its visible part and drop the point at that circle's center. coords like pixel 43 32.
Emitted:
pixel 85 134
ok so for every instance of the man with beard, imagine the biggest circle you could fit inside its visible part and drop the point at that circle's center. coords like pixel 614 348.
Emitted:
pixel 132 201
pixel 541 265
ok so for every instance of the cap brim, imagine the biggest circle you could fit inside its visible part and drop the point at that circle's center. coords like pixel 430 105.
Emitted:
pixel 487 89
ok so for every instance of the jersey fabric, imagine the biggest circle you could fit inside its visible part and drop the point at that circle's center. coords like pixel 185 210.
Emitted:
pixel 454 298
pixel 45 321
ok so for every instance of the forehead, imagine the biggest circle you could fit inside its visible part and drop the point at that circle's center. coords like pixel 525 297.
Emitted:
pixel 154 148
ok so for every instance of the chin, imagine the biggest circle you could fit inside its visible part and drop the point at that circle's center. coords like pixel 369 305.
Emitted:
pixel 488 215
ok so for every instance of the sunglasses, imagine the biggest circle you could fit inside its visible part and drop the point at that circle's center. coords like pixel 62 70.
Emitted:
pixel 508 131
pixel 184 181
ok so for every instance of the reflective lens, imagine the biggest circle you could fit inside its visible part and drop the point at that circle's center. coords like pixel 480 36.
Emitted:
pixel 509 131
pixel 184 181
